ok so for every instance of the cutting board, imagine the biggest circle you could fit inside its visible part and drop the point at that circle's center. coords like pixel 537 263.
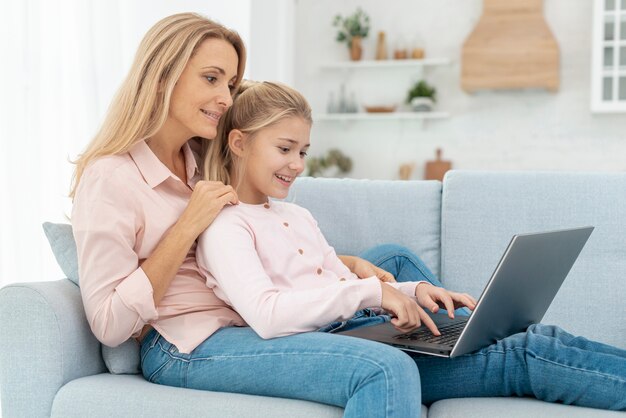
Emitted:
pixel 436 169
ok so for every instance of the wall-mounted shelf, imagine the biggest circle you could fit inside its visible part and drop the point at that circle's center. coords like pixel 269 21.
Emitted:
pixel 382 116
pixel 346 71
pixel 406 63
pixel 420 117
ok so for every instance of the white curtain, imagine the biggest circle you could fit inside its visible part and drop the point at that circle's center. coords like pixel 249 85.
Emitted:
pixel 62 61
pixel 55 89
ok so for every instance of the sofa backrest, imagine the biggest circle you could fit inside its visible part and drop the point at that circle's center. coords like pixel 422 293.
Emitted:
pixel 481 211
pixel 355 215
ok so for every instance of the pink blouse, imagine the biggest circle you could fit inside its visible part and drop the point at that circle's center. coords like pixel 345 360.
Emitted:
pixel 274 266
pixel 123 206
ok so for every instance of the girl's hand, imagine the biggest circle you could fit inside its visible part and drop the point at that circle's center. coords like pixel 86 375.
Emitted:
pixel 407 314
pixel 207 200
pixel 364 269
pixel 433 297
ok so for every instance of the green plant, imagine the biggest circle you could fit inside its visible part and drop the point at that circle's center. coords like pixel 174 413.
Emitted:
pixel 422 89
pixel 333 158
pixel 356 24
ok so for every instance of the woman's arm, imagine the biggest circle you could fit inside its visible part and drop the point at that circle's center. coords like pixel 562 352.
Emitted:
pixel 120 292
pixel 116 292
pixel 207 200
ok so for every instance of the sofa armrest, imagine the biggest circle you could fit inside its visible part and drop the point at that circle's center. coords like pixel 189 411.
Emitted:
pixel 45 342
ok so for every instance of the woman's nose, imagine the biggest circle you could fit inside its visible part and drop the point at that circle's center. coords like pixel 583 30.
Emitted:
pixel 225 97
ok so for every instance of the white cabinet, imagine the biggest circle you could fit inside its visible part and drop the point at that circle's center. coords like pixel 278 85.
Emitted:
pixel 608 72
pixel 376 70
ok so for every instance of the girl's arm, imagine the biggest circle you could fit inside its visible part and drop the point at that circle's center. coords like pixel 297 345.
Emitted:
pixel 361 268
pixel 226 251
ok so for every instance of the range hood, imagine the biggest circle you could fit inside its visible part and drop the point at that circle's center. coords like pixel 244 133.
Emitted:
pixel 511 47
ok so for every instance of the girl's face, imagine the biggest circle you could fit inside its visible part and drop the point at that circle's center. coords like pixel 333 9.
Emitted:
pixel 273 159
pixel 203 91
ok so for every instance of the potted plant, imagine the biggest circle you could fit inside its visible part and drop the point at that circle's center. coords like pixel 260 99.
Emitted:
pixel 333 164
pixel 352 29
pixel 422 96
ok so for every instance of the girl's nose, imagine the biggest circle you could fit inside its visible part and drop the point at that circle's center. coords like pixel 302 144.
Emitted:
pixel 297 165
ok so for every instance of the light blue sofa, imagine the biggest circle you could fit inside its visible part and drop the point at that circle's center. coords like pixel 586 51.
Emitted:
pixel 51 365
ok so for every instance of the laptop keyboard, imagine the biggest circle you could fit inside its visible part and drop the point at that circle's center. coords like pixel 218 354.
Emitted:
pixel 449 334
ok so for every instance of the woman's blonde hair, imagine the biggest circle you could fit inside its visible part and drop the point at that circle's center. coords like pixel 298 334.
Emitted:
pixel 255 106
pixel 141 105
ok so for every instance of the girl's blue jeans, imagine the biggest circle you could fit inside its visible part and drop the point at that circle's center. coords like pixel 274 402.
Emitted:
pixel 370 379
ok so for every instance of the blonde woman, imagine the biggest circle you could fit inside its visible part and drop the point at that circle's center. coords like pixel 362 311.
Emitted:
pixel 139 205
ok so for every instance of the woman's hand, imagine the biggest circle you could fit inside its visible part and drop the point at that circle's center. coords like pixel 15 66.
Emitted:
pixel 407 314
pixel 365 269
pixel 433 297
pixel 207 200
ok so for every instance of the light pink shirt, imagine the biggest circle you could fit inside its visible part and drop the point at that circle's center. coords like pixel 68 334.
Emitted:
pixel 274 266
pixel 123 206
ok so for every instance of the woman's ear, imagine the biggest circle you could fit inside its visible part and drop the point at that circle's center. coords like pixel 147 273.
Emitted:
pixel 236 142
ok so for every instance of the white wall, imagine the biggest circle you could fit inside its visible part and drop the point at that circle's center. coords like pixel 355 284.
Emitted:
pixel 68 59
pixel 489 130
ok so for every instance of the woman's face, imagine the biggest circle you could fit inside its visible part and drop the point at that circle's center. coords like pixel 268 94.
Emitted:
pixel 203 91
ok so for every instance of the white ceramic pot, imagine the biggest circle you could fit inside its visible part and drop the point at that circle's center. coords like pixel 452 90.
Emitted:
pixel 422 104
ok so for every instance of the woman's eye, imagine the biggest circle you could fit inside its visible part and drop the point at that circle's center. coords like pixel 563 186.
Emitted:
pixel 283 149
pixel 211 79
pixel 231 87
pixel 303 154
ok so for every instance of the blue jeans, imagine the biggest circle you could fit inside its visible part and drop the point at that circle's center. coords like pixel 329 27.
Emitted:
pixel 369 379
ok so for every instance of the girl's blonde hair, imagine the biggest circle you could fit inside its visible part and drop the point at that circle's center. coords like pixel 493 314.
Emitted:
pixel 141 105
pixel 255 106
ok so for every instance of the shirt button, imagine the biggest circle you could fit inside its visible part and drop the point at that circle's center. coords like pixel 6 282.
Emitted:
pixel 319 271
pixel 266 206
pixel 300 250
pixel 343 279
pixel 286 223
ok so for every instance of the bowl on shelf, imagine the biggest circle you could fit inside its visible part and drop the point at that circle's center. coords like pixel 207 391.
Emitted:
pixel 380 109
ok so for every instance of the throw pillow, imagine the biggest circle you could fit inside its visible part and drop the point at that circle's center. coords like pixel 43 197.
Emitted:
pixel 63 247
pixel 123 359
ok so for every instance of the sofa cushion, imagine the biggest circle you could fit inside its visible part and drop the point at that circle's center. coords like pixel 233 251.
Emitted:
pixel 123 359
pixel 355 215
pixel 105 395
pixel 481 211
pixel 512 408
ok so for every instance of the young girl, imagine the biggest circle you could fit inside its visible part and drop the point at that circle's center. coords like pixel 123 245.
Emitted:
pixel 269 261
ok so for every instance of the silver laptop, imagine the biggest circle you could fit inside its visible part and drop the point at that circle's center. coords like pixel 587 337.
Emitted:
pixel 518 294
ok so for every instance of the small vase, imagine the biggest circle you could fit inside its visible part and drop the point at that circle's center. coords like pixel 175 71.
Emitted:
pixel 381 47
pixel 356 50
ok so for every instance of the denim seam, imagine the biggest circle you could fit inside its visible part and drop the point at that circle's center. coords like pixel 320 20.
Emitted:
pixel 301 354
pixel 532 353
pixel 604 375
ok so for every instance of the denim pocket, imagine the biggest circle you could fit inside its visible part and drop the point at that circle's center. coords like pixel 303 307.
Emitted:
pixel 154 376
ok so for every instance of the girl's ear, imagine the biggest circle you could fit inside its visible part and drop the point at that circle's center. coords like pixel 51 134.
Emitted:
pixel 236 142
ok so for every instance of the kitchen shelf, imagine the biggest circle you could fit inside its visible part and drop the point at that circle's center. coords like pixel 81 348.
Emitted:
pixel 382 116
pixel 420 117
pixel 405 63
